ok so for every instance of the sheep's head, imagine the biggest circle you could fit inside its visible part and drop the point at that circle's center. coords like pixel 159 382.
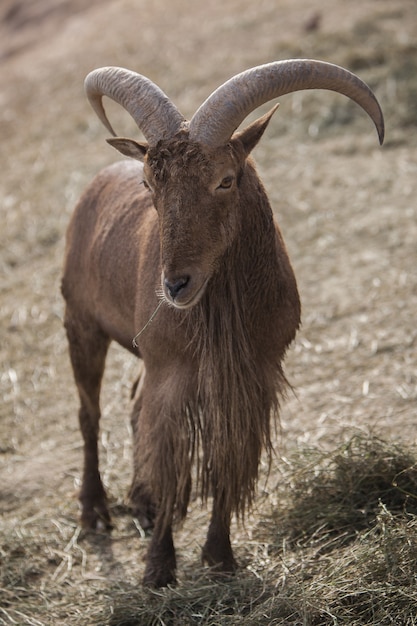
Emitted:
pixel 195 190
pixel 193 169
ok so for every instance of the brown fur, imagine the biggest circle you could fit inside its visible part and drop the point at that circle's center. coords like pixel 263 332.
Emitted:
pixel 213 370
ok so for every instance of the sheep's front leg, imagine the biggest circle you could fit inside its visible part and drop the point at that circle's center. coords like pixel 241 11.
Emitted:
pixel 160 559
pixel 140 496
pixel 157 474
pixel 217 551
pixel 88 348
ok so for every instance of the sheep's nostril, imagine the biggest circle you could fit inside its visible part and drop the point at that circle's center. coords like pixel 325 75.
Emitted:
pixel 176 285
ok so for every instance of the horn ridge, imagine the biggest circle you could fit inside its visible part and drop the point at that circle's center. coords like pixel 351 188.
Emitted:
pixel 154 113
pixel 223 111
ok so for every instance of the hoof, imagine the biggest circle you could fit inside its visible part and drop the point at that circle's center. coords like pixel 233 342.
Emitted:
pixel 220 562
pixel 161 562
pixel 157 578
pixel 96 518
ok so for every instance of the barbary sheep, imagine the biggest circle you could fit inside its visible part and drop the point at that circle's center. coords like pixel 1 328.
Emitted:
pixel 179 249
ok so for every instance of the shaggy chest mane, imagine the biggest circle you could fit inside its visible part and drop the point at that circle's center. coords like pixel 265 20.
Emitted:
pixel 239 385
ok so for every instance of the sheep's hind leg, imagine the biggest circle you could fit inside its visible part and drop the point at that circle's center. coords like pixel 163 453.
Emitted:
pixel 88 347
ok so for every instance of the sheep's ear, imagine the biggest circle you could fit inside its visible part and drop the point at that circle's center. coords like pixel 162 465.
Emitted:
pixel 250 136
pixel 129 147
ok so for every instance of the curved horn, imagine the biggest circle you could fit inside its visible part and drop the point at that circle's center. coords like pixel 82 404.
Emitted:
pixel 151 109
pixel 219 116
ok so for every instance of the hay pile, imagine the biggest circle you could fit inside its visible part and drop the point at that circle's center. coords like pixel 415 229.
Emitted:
pixel 340 549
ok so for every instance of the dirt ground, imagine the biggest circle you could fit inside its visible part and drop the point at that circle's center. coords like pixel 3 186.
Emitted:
pixel 347 209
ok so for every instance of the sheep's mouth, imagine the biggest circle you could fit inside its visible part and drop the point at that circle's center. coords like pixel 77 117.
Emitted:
pixel 188 296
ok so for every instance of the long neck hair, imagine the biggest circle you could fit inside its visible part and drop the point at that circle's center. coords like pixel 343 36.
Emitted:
pixel 237 335
pixel 239 353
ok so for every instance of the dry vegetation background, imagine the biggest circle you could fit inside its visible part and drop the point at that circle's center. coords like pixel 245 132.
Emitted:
pixel 333 539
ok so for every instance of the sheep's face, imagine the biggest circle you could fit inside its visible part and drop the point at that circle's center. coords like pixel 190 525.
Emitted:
pixel 195 191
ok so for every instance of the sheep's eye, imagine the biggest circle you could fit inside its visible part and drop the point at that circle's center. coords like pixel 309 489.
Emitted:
pixel 145 184
pixel 226 183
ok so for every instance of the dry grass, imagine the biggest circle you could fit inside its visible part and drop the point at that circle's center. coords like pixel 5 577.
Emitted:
pixel 348 488
pixel 340 549
pixel 333 537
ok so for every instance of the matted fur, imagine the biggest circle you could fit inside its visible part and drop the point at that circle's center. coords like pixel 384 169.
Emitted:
pixel 224 424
